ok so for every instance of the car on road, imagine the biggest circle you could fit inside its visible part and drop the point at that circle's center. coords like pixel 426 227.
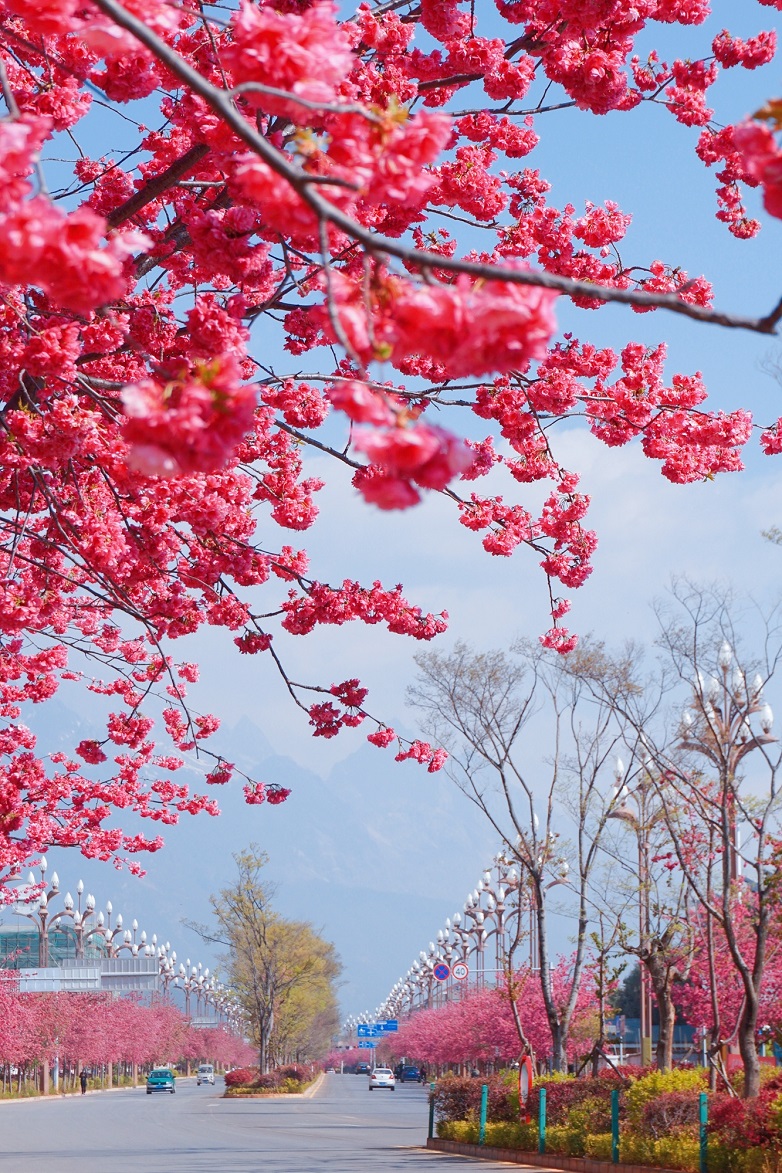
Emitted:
pixel 410 1074
pixel 205 1074
pixel 362 1069
pixel 382 1077
pixel 161 1079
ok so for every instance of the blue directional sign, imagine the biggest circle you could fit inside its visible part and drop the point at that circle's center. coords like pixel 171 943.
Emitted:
pixel 366 1043
pixel 390 1024
pixel 370 1030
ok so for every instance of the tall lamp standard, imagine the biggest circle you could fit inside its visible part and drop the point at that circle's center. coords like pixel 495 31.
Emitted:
pixel 80 925
pixel 39 911
pixel 501 908
pixel 718 728
pixel 637 805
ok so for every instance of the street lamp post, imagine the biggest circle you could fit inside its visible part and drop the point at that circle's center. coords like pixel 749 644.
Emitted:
pixel 80 925
pixel 638 807
pixel 39 910
pixel 718 728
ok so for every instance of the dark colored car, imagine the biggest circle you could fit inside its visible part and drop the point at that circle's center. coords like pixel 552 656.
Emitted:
pixel 362 1069
pixel 410 1075
pixel 161 1079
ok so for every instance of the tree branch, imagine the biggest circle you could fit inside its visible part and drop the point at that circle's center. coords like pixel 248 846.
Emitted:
pixel 220 101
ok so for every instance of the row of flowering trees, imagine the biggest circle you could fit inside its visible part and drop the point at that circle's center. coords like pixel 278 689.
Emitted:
pixel 480 1026
pixel 97 1031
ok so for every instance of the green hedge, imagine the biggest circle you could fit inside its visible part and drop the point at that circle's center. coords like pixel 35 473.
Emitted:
pixel 669 1152
pixel 598 1146
pixel 656 1083
pixel 658 1127
pixel 751 1160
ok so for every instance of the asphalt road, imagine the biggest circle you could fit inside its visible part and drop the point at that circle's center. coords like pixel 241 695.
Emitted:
pixel 343 1128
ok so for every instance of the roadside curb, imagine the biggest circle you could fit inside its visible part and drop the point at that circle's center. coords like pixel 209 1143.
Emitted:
pixel 550 1162
pixel 314 1087
pixel 54 1096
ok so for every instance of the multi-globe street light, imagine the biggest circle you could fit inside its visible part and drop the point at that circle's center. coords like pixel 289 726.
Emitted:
pixel 636 803
pixel 93 930
pixel 491 915
pixel 37 910
pixel 718 727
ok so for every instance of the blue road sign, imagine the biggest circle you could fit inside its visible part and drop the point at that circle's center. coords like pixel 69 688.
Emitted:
pixel 390 1024
pixel 366 1043
pixel 442 971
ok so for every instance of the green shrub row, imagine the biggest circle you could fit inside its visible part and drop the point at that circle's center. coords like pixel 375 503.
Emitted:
pixel 659 1113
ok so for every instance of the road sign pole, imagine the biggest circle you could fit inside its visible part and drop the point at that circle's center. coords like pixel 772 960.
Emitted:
pixel 484 1108
pixel 542 1120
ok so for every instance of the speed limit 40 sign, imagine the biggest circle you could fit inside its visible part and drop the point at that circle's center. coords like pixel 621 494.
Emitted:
pixel 460 971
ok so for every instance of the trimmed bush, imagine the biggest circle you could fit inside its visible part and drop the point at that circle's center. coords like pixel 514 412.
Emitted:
pixel 463 1131
pixel 657 1083
pixel 285 1080
pixel 566 1093
pixel 741 1124
pixel 560 1138
pixel 669 1152
pixel 241 1077
pixel 678 1152
pixel 636 1150
pixel 753 1160
pixel 671 1112
pixel 459 1098
pixel 513 1136
pixel 598 1146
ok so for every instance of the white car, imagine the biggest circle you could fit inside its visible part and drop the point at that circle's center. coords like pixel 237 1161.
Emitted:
pixel 205 1074
pixel 382 1077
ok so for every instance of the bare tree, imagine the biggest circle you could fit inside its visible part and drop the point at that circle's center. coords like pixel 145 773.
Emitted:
pixel 721 823
pixel 486 709
pixel 662 938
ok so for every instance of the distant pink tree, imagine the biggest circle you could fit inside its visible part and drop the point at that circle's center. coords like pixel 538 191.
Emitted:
pixel 480 1027
pixel 695 999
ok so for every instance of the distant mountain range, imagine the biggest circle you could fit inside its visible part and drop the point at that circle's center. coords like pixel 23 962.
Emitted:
pixel 375 854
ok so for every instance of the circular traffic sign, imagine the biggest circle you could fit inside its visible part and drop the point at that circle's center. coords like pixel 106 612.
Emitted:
pixel 460 971
pixel 441 971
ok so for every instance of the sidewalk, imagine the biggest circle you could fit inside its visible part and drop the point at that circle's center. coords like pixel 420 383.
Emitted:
pixel 91 1091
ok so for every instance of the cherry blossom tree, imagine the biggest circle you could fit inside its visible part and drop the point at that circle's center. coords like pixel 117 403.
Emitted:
pixel 694 997
pixel 306 189
pixel 480 1027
